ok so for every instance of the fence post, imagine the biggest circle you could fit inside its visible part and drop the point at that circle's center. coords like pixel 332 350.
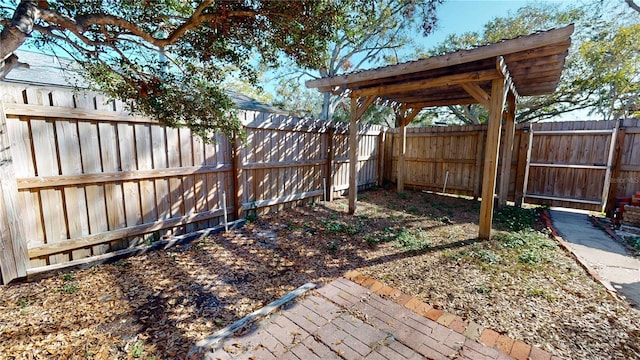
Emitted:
pixel 238 182
pixel 507 153
pixel 477 176
pixel 522 164
pixel 381 145
pixel 14 257
pixel 329 172
pixel 401 158
pixel 615 171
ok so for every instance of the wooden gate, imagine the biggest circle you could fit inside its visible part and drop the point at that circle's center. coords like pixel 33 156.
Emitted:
pixel 569 168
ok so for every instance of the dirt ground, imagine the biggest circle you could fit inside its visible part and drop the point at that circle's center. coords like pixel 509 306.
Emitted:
pixel 158 305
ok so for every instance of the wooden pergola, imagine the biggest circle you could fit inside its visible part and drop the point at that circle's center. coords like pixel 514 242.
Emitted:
pixel 489 75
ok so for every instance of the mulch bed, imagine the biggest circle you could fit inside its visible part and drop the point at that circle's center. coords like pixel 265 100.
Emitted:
pixel 159 304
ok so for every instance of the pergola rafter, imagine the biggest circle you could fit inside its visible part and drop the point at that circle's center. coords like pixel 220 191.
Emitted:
pixel 491 75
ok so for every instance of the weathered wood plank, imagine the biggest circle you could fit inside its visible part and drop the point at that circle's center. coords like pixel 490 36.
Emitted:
pixel 69 112
pixel 75 197
pixel 91 163
pixel 213 339
pixel 46 162
pixel 14 259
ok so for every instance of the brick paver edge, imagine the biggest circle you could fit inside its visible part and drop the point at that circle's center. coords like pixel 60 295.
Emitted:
pixel 414 304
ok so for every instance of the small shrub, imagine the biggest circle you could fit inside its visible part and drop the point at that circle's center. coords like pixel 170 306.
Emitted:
pixel 332 226
pixel 291 226
pixel 482 289
pixel 525 239
pixel 69 288
pixel 351 230
pixel 155 236
pixel 634 241
pixel 531 257
pixel 371 239
pixel 535 292
pixel 252 216
pixel 333 246
pixel 512 218
pixel 486 256
pixel 68 276
pixel 413 240
pixel 24 302
pixel 136 350
pixel 453 255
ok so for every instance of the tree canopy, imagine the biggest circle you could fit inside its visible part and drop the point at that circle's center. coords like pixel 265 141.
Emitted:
pixel 169 56
pixel 365 37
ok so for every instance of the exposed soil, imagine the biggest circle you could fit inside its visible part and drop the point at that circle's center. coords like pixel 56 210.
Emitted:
pixel 159 304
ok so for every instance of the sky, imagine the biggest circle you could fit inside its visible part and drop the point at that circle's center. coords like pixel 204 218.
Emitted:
pixel 459 16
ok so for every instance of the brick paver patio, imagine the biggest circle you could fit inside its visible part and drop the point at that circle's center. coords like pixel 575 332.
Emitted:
pixel 344 320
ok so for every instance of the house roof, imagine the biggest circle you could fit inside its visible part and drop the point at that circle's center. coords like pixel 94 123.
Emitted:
pixel 47 70
pixel 533 63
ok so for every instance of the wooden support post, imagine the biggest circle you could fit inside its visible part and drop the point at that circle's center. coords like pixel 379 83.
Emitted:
pixel 14 258
pixel 491 157
pixel 381 145
pixel 329 172
pixel 238 179
pixel 509 132
pixel 353 155
pixel 522 164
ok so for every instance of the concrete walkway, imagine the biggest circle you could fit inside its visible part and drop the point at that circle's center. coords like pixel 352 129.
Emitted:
pixel 608 258
pixel 346 320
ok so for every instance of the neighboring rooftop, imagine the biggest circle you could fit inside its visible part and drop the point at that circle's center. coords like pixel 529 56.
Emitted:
pixel 48 70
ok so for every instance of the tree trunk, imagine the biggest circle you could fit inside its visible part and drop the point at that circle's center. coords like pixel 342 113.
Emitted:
pixel 13 35
pixel 326 104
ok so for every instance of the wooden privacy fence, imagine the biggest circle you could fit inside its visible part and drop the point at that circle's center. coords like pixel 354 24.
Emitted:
pixel 576 164
pixel 81 178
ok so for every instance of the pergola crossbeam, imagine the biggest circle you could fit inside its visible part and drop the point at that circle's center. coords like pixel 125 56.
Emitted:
pixel 448 80
pixel 477 93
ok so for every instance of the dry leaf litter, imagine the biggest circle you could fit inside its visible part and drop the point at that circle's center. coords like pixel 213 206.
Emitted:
pixel 156 306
